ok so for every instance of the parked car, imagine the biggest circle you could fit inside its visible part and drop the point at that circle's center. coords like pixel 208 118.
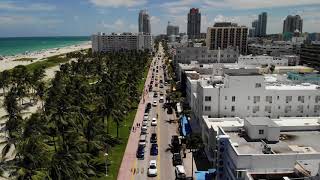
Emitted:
pixel 149 105
pixel 161 100
pixel 169 110
pixel 161 85
pixel 146 116
pixel 143 140
pixel 152 170
pixel 153 138
pixel 155 94
pixel 155 103
pixel 144 129
pixel 154 150
pixel 176 159
pixel 140 152
pixel 154 122
pixel 180 172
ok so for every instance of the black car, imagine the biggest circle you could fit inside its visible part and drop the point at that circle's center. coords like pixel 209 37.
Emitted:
pixel 169 110
pixel 176 159
pixel 155 94
pixel 153 138
pixel 140 152
pixel 149 105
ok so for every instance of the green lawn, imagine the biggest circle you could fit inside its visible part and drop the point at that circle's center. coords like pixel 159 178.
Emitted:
pixel 49 62
pixel 116 153
pixel 25 59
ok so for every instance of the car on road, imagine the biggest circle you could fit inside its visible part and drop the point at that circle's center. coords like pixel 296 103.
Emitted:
pixel 180 172
pixel 155 94
pixel 152 170
pixel 169 110
pixel 154 122
pixel 144 129
pixel 161 85
pixel 161 100
pixel 153 138
pixel 143 140
pixel 155 103
pixel 176 159
pixel 154 150
pixel 161 93
pixel 140 152
pixel 149 105
pixel 146 116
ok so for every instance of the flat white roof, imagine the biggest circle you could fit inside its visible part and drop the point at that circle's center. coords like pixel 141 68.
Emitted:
pixel 293 87
pixel 223 122
pixel 297 121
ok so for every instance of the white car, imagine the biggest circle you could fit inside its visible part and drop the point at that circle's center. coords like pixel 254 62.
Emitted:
pixel 146 116
pixel 161 100
pixel 145 123
pixel 154 122
pixel 152 170
pixel 155 103
pixel 180 172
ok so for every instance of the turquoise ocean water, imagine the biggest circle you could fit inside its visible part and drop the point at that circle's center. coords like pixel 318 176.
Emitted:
pixel 18 45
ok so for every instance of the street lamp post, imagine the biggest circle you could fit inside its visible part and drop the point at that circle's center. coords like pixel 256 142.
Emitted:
pixel 106 155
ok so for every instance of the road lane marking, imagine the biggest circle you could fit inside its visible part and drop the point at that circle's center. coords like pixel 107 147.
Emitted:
pixel 134 165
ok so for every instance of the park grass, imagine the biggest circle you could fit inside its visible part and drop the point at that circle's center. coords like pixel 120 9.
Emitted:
pixel 25 59
pixel 116 153
pixel 49 62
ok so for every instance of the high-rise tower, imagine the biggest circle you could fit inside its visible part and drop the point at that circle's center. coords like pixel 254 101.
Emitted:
pixel 144 22
pixel 194 23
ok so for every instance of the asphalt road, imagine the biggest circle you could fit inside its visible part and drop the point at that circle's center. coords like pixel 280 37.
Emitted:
pixel 164 132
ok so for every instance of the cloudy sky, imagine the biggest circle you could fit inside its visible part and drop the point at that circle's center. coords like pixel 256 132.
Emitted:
pixel 84 17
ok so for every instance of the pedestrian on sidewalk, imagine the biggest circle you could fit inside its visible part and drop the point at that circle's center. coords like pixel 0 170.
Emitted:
pixel 133 129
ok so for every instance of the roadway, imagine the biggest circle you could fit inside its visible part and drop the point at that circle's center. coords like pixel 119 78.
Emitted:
pixel 164 132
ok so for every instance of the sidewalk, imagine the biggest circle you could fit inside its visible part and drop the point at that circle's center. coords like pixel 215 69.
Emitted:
pixel 129 156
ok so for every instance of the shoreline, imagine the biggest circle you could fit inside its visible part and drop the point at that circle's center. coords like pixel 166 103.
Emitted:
pixel 8 61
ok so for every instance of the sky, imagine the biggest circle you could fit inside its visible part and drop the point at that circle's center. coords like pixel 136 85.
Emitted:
pixel 85 17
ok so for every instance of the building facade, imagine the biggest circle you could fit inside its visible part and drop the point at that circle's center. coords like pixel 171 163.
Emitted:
pixel 172 30
pixel 259 26
pixel 262 60
pixel 248 94
pixel 102 42
pixel 203 55
pixel 310 55
pixel 292 23
pixel 272 49
pixel 194 24
pixel 144 22
pixel 225 35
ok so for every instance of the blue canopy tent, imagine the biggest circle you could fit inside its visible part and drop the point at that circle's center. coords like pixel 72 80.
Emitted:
pixel 185 127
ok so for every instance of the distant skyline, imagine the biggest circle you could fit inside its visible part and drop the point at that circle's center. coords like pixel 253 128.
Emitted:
pixel 85 17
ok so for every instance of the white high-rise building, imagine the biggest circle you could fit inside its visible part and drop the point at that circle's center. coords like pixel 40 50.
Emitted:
pixel 102 42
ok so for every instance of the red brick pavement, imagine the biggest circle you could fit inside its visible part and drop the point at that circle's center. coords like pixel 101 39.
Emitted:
pixel 127 164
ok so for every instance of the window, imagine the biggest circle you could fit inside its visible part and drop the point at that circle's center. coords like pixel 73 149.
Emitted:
pixel 225 98
pixel 207 108
pixel 261 131
pixel 269 99
pixel 256 99
pixel 207 98
pixel 255 109
pixel 233 98
pixel 301 99
pixel 316 108
pixel 267 109
pixel 248 97
pixel 248 107
pixel 258 85
pixel 317 99
pixel 300 108
pixel 288 99
pixel 287 109
pixel 278 97
pixel 233 108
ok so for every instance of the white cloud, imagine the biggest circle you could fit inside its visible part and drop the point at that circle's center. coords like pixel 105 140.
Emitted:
pixel 256 4
pixel 26 20
pixel 11 6
pixel 118 26
pixel 118 3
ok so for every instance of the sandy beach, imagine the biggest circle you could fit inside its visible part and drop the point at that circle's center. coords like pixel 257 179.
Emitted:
pixel 8 63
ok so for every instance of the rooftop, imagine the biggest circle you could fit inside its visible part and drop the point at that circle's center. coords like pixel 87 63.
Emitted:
pixel 298 142
pixel 264 121
pixel 244 74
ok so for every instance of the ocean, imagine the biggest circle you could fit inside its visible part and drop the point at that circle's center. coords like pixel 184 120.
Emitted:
pixel 19 45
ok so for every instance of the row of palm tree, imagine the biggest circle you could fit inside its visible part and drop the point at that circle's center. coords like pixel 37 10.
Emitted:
pixel 68 138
